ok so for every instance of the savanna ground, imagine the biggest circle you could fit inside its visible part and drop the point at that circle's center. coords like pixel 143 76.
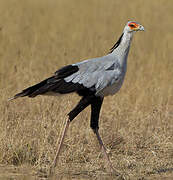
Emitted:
pixel 39 36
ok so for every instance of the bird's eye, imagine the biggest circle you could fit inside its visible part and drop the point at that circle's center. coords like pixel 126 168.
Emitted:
pixel 132 25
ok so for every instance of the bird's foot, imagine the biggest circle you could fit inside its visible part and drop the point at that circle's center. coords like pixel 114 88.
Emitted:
pixel 51 171
pixel 113 171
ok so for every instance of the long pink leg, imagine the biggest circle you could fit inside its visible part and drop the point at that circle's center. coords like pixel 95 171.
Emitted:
pixel 104 151
pixel 83 103
pixel 60 144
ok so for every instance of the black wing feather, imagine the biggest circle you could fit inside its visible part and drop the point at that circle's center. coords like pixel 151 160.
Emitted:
pixel 66 71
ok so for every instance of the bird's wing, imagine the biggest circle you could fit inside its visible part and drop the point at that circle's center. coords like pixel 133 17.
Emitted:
pixel 95 74
pixel 90 76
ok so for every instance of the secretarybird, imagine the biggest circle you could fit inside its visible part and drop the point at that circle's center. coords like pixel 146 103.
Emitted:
pixel 92 79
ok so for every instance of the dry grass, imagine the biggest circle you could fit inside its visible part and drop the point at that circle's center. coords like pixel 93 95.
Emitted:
pixel 39 36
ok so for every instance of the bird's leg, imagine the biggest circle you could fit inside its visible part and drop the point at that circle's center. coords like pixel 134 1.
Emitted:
pixel 103 148
pixel 83 103
pixel 95 112
pixel 105 153
pixel 60 143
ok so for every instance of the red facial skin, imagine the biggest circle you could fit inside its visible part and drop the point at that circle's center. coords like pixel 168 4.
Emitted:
pixel 133 25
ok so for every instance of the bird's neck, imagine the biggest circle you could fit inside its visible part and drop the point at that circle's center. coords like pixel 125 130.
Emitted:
pixel 122 50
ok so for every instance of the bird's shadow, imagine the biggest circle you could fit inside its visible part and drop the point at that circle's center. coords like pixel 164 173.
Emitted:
pixel 83 175
pixel 160 170
pixel 96 174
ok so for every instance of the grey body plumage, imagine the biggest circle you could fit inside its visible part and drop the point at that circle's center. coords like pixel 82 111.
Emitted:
pixel 99 74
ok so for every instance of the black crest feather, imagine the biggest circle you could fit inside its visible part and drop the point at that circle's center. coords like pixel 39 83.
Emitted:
pixel 116 44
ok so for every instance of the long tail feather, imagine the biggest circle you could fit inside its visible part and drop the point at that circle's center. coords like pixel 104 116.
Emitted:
pixel 29 91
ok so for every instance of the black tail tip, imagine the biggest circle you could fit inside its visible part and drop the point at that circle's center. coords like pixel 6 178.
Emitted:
pixel 22 94
pixel 14 97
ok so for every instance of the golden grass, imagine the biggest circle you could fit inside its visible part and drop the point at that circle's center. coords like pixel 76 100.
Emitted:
pixel 39 36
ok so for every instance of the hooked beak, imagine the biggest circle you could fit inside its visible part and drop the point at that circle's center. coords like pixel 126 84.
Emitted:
pixel 140 28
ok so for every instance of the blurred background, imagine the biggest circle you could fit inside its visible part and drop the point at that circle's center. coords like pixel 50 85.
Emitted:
pixel 37 37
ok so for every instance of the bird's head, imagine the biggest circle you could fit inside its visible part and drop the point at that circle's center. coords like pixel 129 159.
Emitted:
pixel 133 26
